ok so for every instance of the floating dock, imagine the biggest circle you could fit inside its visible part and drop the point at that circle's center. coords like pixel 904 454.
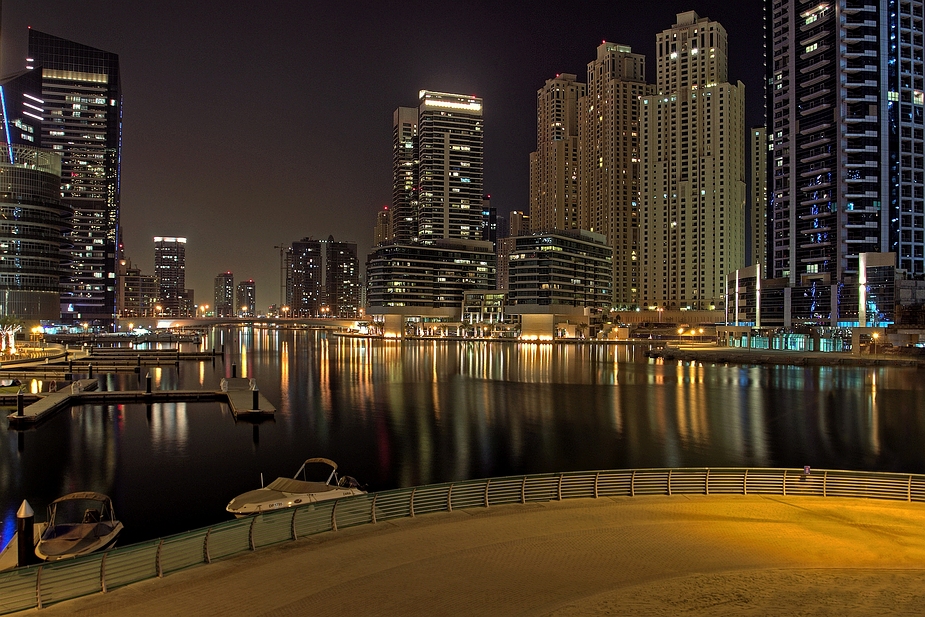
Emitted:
pixel 243 399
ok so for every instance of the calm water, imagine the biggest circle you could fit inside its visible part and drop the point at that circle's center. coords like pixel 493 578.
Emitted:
pixel 400 414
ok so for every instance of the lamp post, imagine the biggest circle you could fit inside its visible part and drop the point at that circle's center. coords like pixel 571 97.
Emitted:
pixel 876 335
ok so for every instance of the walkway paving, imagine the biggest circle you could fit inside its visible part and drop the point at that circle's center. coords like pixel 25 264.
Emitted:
pixel 691 555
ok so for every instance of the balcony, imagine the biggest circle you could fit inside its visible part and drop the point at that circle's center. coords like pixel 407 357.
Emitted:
pixel 818 215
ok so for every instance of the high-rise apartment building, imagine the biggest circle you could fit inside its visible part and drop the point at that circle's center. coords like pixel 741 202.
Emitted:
pixel 758 198
pixel 519 223
pixel 223 298
pixel 137 292
pixel 323 278
pixel 304 278
pixel 554 167
pixel 170 271
pixel 342 279
pixel 693 169
pixel 489 221
pixel 609 138
pixel 246 305
pixel 404 220
pixel 449 177
pixel 82 122
pixel 383 233
pixel 439 216
pixel 845 108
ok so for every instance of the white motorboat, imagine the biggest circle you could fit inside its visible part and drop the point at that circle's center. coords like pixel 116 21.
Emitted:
pixel 78 524
pixel 296 491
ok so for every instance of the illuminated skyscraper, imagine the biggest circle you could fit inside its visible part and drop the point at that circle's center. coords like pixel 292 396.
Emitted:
pixel 693 170
pixel 449 167
pixel 438 202
pixel 383 233
pixel 758 193
pixel 519 223
pixel 82 121
pixel 609 173
pixel 554 167
pixel 404 221
pixel 137 292
pixel 342 279
pixel 845 107
pixel 170 271
pixel 304 278
pixel 224 295
pixel 246 306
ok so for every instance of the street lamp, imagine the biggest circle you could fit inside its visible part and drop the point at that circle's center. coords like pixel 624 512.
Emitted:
pixel 875 335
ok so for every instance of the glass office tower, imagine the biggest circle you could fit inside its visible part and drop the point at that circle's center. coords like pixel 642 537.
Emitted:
pixel 82 122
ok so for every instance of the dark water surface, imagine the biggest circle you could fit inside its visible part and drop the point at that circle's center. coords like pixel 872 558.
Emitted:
pixel 398 414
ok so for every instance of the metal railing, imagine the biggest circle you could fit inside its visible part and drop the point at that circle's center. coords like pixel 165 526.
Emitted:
pixel 45 584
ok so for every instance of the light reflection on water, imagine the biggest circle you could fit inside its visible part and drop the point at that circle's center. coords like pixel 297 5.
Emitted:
pixel 400 414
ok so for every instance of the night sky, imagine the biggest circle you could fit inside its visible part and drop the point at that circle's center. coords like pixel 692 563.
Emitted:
pixel 249 125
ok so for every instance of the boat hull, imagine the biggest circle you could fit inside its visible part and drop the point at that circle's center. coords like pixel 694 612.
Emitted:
pixel 261 501
pixel 56 545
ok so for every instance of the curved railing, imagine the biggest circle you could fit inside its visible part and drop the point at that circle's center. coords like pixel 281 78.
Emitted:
pixel 45 584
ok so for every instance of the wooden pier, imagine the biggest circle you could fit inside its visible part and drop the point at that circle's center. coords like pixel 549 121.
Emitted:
pixel 243 401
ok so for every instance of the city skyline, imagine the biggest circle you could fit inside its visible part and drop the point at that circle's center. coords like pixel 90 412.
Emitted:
pixel 226 118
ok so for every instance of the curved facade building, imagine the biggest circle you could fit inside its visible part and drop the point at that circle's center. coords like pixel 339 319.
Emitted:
pixel 33 223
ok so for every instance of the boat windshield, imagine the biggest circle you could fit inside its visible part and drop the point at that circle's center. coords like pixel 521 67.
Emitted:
pixel 317 471
pixel 79 511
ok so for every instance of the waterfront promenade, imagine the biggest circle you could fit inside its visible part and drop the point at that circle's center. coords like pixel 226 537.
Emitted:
pixel 653 555
pixel 709 352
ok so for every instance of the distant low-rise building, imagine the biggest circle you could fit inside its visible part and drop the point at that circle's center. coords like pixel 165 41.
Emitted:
pixel 559 283
pixel 568 267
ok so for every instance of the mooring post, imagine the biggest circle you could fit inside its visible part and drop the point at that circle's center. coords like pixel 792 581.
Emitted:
pixel 256 397
pixel 25 525
pixel 20 407
pixel 234 370
pixel 138 360
pixel 89 371
pixel 148 384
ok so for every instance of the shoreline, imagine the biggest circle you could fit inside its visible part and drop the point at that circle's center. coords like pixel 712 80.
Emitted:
pixel 737 355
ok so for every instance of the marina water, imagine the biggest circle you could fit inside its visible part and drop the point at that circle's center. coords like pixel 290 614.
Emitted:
pixel 397 414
